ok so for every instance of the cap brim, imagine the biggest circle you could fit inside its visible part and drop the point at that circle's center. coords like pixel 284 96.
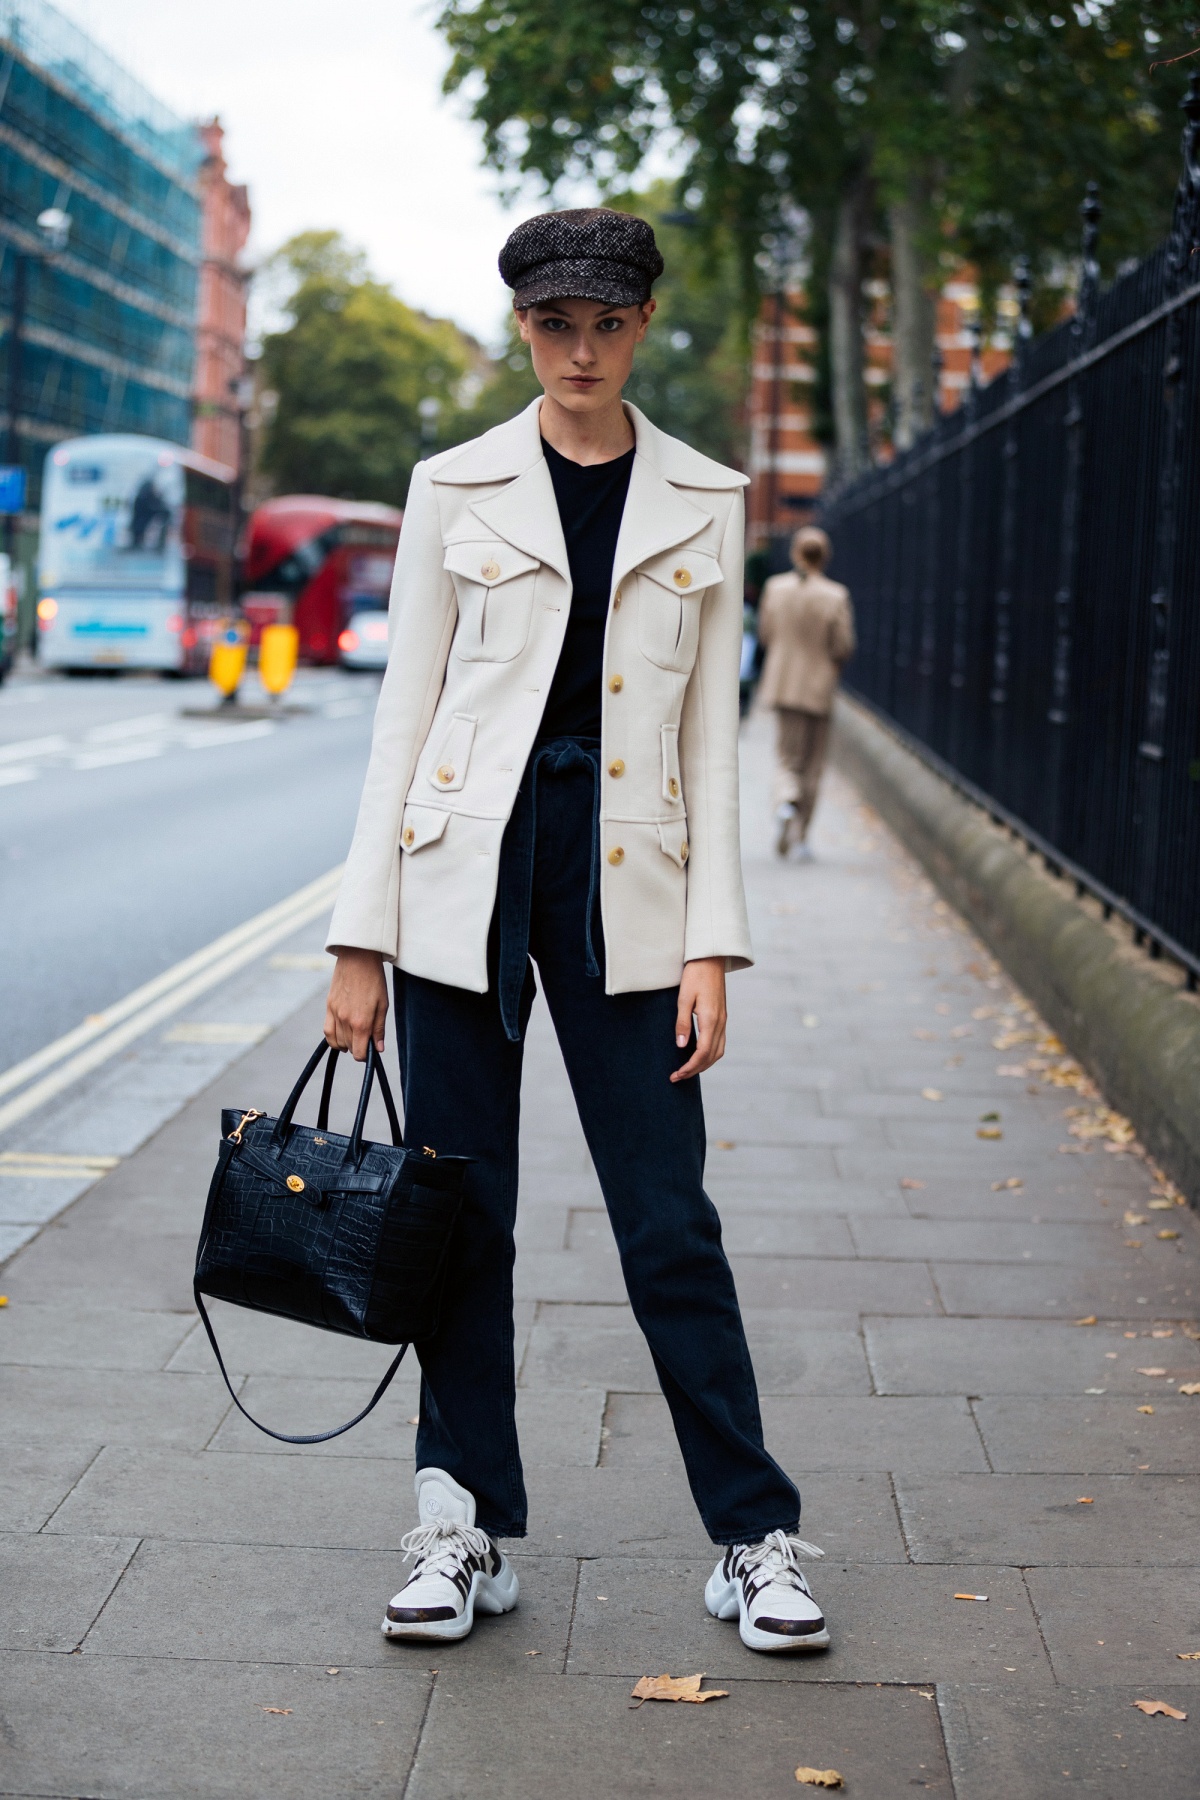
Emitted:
pixel 607 283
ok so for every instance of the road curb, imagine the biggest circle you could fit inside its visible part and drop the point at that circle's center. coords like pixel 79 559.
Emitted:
pixel 1135 1032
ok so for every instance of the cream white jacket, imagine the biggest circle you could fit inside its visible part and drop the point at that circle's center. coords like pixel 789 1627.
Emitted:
pixel 479 607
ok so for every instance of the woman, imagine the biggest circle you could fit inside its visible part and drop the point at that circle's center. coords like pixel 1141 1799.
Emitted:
pixel 806 626
pixel 554 775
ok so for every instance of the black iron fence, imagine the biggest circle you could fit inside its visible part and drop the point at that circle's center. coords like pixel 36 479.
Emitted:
pixel 1027 584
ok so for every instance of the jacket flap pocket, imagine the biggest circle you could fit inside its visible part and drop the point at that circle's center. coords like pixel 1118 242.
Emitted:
pixel 422 825
pixel 450 770
pixel 673 840
pixel 684 572
pixel 488 561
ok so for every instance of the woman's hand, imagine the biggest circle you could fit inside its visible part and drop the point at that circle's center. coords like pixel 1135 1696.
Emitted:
pixel 702 994
pixel 358 1003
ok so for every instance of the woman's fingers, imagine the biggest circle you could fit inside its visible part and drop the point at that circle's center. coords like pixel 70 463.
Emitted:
pixel 356 1011
pixel 710 1044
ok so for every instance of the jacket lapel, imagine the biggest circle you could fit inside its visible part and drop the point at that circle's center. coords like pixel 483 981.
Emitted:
pixel 656 518
pixel 525 514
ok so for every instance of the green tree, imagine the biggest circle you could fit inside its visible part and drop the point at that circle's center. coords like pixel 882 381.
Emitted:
pixel 943 128
pixel 349 370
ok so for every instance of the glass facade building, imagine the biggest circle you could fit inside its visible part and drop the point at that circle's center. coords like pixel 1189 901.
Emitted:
pixel 107 323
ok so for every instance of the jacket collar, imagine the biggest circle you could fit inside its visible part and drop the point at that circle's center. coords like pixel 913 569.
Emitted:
pixel 524 513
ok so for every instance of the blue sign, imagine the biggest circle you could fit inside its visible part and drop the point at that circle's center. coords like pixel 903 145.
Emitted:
pixel 12 488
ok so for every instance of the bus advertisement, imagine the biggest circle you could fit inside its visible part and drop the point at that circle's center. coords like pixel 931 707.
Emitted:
pixel 324 566
pixel 135 559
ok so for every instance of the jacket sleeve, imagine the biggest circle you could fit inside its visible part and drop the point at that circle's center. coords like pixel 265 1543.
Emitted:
pixel 841 636
pixel 708 757
pixel 768 607
pixel 422 616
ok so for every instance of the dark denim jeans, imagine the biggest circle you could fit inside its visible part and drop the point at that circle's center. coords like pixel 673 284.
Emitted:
pixel 462 1080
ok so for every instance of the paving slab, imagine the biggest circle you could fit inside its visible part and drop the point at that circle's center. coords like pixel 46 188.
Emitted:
pixel 816 1433
pixel 36 1478
pixel 581 1736
pixel 1078 1740
pixel 743 1232
pixel 54 1587
pixel 1010 1356
pixel 1101 1432
pixel 130 1406
pixel 1127 1292
pixel 987 1241
pixel 1114 1522
pixel 631 1614
pixel 90 1337
pixel 1094 1637
pixel 138 1728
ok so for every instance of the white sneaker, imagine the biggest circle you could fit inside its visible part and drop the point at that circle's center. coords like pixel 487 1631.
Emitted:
pixel 761 1586
pixel 456 1569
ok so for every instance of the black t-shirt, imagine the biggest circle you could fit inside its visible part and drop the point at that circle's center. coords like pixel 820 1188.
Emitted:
pixel 590 500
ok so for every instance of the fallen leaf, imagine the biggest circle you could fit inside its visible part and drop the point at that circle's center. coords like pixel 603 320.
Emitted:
pixel 1150 1707
pixel 726 1144
pixel 333 1671
pixel 1152 1371
pixel 1133 1243
pixel 675 1687
pixel 819 1777
pixel 1014 1181
pixel 989 1118
pixel 970 1596
pixel 1132 1218
pixel 1189 1387
pixel 906 1181
pixel 988 1131
pixel 1191 1331
pixel 1085 1500
pixel 1162 1334
pixel 1188 1655
pixel 1146 1409
pixel 3 1299
pixel 1090 1320
pixel 932 1094
pixel 1161 1205
pixel 533 1653
pixel 1166 1234
pixel 283 1711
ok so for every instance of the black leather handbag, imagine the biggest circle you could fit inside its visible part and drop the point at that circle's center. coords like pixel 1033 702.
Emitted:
pixel 335 1232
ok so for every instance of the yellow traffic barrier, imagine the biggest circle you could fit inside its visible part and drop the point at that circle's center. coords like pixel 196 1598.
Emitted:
pixel 227 661
pixel 278 649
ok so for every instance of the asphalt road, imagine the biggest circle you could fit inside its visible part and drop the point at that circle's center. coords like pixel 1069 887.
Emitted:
pixel 131 835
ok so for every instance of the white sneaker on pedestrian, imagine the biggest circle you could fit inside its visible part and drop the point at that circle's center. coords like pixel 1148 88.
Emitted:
pixel 761 1586
pixel 457 1570
pixel 784 815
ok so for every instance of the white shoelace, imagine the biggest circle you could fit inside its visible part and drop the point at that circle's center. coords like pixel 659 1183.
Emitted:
pixel 440 1548
pixel 775 1559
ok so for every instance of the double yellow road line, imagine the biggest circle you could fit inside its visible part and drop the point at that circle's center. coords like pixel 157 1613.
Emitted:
pixel 104 1034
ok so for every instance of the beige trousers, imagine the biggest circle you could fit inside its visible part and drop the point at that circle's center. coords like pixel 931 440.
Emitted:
pixel 801 743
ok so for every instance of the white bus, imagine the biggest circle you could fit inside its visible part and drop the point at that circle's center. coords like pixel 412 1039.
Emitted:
pixel 135 558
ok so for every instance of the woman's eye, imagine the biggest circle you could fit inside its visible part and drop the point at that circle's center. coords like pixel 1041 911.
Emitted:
pixel 609 325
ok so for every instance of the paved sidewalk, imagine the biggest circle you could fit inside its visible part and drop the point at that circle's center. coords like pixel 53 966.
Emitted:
pixel 917 1221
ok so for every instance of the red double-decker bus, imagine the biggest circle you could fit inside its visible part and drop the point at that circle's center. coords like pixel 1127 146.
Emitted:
pixel 325 566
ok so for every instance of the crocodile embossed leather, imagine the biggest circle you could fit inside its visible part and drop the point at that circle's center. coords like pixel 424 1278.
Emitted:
pixel 331 1230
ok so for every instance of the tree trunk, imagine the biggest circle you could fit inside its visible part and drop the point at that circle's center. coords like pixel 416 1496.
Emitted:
pixel 845 329
pixel 913 315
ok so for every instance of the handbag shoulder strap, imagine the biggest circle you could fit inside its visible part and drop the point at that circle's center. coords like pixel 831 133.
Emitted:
pixel 284 1437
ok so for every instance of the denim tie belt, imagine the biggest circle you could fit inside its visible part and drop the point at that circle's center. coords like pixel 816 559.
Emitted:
pixel 514 897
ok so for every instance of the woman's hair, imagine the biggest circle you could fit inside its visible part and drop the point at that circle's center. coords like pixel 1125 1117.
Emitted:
pixel 811 546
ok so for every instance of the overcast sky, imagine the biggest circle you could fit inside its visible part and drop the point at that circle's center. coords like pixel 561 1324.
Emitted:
pixel 334 117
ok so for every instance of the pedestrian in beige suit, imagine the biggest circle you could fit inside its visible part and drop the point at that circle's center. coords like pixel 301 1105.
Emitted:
pixel 806 625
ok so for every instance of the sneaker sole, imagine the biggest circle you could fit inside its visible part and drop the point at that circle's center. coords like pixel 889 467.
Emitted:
pixel 493 1594
pixel 724 1601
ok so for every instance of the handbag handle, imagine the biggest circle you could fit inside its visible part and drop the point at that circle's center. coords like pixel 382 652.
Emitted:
pixel 374 1066
pixel 285 1437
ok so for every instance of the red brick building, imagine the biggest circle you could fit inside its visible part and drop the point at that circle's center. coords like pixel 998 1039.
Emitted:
pixel 221 326
pixel 786 464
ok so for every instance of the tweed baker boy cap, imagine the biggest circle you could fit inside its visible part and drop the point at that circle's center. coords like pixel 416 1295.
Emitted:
pixel 589 253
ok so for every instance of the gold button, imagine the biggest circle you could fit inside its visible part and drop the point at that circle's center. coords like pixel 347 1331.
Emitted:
pixel 409 834
pixel 490 570
pixel 683 851
pixel 616 767
pixel 296 1183
pixel 616 854
pixel 616 684
pixel 445 774
pixel 673 788
pixel 682 577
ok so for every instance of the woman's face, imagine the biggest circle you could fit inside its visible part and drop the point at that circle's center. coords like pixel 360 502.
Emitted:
pixel 583 350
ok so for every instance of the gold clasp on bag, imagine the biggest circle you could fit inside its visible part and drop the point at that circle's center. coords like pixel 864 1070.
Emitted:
pixel 235 1136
